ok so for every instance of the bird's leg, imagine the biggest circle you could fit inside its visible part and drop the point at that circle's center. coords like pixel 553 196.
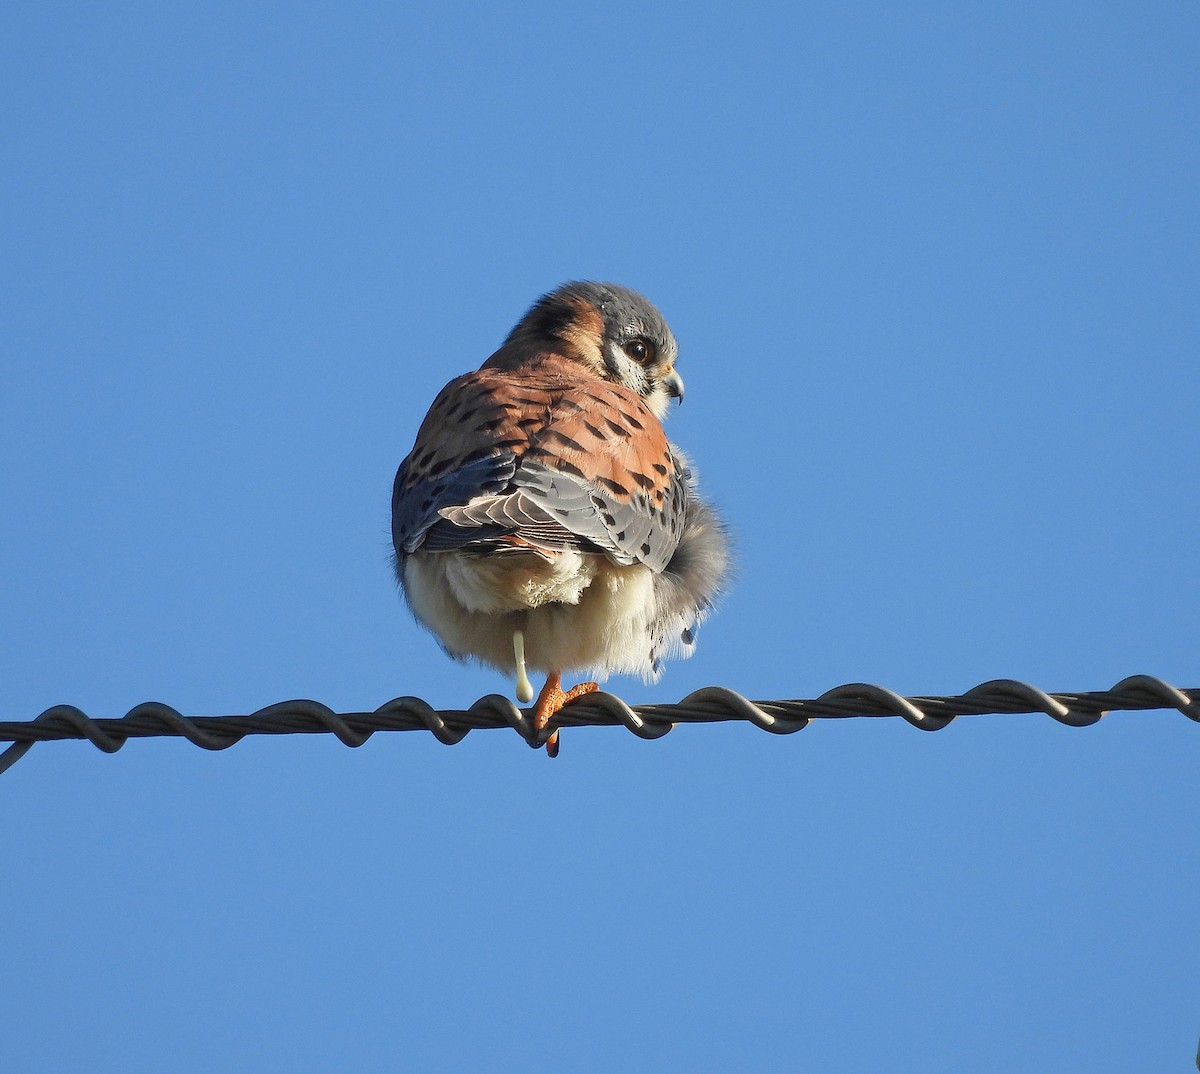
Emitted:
pixel 551 699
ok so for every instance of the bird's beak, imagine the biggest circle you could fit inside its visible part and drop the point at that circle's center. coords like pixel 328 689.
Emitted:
pixel 673 383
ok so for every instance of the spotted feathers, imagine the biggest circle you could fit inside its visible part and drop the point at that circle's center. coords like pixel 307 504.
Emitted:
pixel 542 496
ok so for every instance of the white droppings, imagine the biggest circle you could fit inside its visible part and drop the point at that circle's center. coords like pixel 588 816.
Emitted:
pixel 524 686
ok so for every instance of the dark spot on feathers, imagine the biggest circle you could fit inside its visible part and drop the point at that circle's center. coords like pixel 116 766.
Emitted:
pixel 643 480
pixel 565 440
pixel 613 486
pixel 634 422
pixel 594 431
pixel 476 455
pixel 568 468
pixel 619 537
pixel 620 430
pixel 609 521
pixel 645 548
pixel 493 425
pixel 440 467
pixel 660 469
pixel 688 636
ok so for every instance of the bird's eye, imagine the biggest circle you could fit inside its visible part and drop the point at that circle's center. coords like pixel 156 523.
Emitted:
pixel 640 350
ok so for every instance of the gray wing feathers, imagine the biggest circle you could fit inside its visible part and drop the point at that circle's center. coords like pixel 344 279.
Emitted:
pixel 513 511
pixel 494 495
pixel 629 531
pixel 416 507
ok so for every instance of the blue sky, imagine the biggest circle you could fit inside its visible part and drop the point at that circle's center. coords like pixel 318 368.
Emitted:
pixel 934 275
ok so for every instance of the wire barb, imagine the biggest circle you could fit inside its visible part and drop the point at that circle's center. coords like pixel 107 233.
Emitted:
pixel 713 704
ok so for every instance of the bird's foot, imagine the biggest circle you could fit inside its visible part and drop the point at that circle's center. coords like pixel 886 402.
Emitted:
pixel 552 698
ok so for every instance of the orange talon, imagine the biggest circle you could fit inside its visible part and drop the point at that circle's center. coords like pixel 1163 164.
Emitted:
pixel 551 700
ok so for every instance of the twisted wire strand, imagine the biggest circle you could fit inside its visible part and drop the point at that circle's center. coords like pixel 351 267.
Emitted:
pixel 713 704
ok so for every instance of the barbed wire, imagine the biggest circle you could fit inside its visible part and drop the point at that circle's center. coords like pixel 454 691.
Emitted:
pixel 713 704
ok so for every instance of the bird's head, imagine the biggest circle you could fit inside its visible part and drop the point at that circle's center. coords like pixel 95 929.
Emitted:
pixel 613 331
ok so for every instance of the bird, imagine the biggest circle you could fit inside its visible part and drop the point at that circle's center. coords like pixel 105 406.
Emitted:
pixel 543 520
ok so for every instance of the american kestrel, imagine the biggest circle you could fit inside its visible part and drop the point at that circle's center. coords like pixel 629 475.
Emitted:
pixel 542 517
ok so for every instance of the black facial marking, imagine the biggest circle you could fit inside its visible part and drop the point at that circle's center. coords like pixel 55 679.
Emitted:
pixel 549 317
